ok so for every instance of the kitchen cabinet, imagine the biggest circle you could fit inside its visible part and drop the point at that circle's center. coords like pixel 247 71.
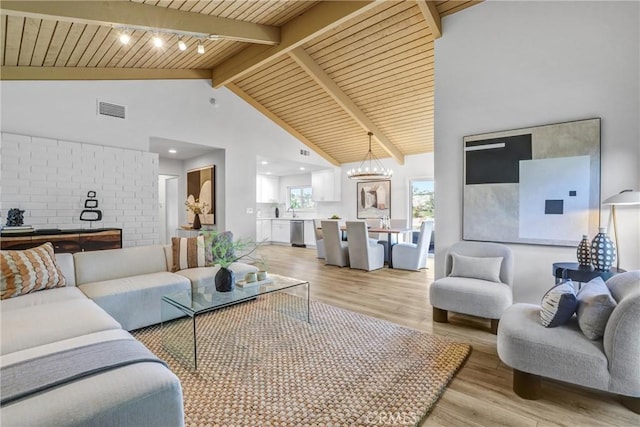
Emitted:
pixel 263 230
pixel 309 233
pixel 326 185
pixel 280 231
pixel 266 189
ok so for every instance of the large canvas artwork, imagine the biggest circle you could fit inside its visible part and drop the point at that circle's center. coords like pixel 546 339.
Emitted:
pixel 374 199
pixel 538 185
pixel 201 186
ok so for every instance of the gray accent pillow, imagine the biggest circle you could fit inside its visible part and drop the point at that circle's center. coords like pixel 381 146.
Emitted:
pixel 558 305
pixel 482 268
pixel 595 305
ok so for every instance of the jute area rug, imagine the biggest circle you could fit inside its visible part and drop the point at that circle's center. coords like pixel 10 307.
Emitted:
pixel 260 364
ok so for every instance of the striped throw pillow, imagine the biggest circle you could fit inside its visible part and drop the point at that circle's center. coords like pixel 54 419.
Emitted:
pixel 558 305
pixel 188 252
pixel 29 271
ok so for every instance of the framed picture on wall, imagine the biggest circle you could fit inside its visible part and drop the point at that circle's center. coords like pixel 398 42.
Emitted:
pixel 537 185
pixel 201 186
pixel 374 199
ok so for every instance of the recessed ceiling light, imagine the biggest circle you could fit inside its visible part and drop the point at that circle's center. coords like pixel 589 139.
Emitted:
pixel 301 168
pixel 268 173
pixel 173 150
pixel 264 162
pixel 125 38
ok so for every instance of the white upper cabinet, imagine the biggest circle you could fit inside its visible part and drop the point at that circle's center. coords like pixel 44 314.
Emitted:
pixel 266 189
pixel 326 185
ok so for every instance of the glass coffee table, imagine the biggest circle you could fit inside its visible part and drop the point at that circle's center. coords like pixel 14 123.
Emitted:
pixel 180 338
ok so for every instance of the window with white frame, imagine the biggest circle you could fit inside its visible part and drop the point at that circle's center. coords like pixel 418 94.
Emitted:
pixel 300 197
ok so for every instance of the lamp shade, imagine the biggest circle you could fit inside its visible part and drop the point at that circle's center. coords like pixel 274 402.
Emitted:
pixel 626 197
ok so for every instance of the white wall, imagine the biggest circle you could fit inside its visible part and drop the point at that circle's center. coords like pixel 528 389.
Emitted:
pixel 507 65
pixel 50 178
pixel 170 109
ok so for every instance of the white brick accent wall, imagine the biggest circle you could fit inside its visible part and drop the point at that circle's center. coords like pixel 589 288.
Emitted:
pixel 50 178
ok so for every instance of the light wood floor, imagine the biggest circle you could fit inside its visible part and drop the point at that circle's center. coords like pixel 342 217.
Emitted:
pixel 480 394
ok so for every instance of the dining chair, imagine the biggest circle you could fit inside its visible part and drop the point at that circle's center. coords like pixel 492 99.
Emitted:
pixel 336 251
pixel 364 253
pixel 410 256
pixel 319 238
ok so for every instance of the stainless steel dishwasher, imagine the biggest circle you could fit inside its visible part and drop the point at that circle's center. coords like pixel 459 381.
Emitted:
pixel 297 234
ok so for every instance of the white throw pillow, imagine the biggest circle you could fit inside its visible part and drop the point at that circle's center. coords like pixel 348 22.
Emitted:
pixel 482 268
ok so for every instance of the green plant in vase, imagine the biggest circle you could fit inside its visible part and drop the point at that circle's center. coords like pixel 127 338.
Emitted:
pixel 224 252
pixel 263 267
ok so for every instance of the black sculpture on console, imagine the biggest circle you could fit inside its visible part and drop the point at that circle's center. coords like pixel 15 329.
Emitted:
pixel 91 211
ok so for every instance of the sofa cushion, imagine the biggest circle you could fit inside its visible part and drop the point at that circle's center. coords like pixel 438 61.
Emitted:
pixel 39 298
pixel 46 323
pixel 558 305
pixel 97 266
pixel 595 305
pixel 561 353
pixel 624 284
pixel 482 268
pixel 135 301
pixel 187 252
pixel 480 298
pixel 29 270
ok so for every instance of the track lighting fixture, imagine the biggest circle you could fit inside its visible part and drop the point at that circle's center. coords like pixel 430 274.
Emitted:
pixel 157 41
pixel 200 48
pixel 125 37
pixel 182 45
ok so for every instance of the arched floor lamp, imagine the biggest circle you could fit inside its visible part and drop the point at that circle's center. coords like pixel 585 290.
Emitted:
pixel 625 197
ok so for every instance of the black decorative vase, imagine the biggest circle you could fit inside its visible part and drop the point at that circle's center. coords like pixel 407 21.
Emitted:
pixel 584 252
pixel 196 222
pixel 225 280
pixel 277 212
pixel 603 251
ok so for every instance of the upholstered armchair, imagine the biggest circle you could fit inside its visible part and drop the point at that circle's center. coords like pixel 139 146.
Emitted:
pixel 364 253
pixel 609 362
pixel 479 280
pixel 319 238
pixel 336 251
pixel 409 256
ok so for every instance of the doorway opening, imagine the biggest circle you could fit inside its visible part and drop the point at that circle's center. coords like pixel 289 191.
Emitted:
pixel 421 205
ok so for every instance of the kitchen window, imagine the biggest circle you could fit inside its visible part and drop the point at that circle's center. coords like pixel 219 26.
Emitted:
pixel 300 197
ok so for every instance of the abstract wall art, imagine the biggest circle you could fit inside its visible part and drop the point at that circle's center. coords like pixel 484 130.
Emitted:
pixel 201 186
pixel 537 185
pixel 374 199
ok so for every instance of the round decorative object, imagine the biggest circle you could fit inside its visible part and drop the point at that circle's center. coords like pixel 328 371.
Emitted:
pixel 603 251
pixel 196 222
pixel 225 280
pixel 584 252
pixel 15 217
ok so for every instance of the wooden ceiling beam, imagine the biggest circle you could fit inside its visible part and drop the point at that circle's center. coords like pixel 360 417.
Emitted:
pixel 431 16
pixel 284 125
pixel 322 17
pixel 144 17
pixel 322 78
pixel 91 73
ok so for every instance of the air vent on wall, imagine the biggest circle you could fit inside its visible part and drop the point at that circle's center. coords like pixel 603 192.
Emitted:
pixel 304 152
pixel 111 110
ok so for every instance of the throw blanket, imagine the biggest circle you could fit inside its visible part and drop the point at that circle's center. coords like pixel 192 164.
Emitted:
pixel 28 377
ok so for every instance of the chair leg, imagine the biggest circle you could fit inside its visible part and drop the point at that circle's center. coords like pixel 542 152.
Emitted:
pixel 527 386
pixel 631 403
pixel 494 326
pixel 439 315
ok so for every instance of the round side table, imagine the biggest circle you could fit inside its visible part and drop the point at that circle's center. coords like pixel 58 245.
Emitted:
pixel 580 273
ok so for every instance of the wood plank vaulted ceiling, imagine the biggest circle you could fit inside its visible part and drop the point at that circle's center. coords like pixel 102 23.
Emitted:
pixel 325 71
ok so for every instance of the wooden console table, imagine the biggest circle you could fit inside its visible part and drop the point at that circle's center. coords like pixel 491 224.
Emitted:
pixel 78 240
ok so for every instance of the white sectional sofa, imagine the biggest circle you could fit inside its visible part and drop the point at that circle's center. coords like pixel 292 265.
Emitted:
pixel 106 294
